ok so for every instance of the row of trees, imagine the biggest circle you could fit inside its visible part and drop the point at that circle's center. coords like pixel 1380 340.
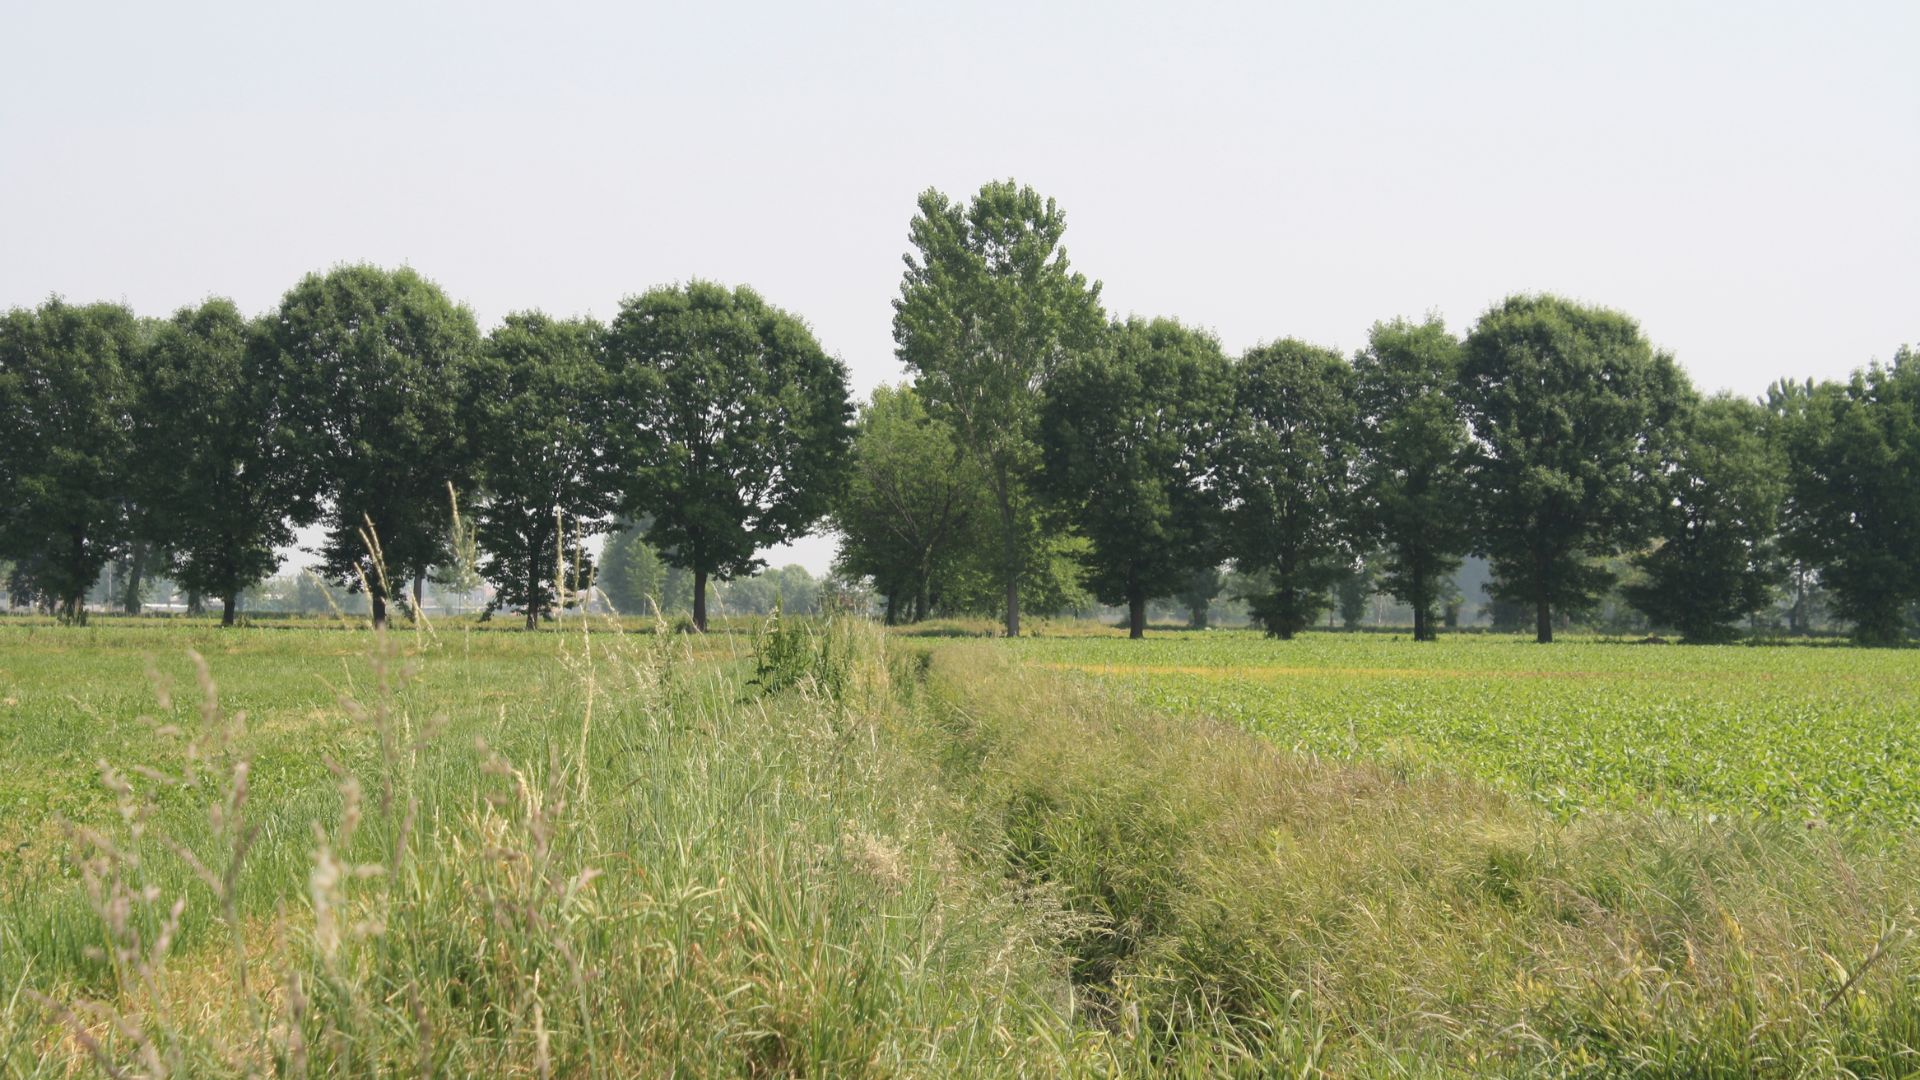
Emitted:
pixel 370 404
pixel 1041 446
pixel 1553 439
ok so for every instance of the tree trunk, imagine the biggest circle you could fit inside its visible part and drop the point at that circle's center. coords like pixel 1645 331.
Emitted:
pixel 922 602
pixel 196 604
pixel 893 608
pixel 73 610
pixel 136 563
pixel 229 605
pixel 1010 554
pixel 1137 614
pixel 700 600
pixel 1542 621
pixel 378 601
pixel 419 591
pixel 533 591
pixel 1419 601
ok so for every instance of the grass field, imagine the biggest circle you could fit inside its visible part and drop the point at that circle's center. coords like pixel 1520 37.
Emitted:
pixel 827 851
pixel 1810 732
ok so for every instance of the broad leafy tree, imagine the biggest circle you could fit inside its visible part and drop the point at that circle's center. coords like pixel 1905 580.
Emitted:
pixel 988 308
pixel 214 457
pixel 732 426
pixel 913 507
pixel 372 365
pixel 1415 490
pixel 1716 559
pixel 535 394
pixel 1130 434
pixel 1570 409
pixel 1288 476
pixel 68 394
pixel 1853 506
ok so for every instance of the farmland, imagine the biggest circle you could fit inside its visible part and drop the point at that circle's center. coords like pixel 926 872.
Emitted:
pixel 826 850
pixel 1818 733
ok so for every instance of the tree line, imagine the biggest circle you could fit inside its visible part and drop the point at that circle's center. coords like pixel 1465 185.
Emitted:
pixel 1552 438
pixel 371 405
pixel 1042 447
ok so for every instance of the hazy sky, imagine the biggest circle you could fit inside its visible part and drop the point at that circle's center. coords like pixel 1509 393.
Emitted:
pixel 1743 178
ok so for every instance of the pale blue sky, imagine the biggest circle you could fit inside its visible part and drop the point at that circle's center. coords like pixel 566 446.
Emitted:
pixel 1740 177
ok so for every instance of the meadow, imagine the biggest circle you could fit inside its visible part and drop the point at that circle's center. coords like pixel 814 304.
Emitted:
pixel 814 848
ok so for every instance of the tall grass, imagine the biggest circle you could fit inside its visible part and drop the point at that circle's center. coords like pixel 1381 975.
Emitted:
pixel 681 874
pixel 1251 910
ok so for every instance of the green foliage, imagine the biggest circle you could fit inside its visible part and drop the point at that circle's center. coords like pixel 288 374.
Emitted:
pixel 915 507
pixel 988 309
pixel 1572 410
pixel 1416 495
pixel 535 393
pixel 68 392
pixel 1716 561
pixel 730 426
pixel 1287 473
pixel 373 366
pixel 1354 588
pixel 1853 507
pixel 1131 437
pixel 219 482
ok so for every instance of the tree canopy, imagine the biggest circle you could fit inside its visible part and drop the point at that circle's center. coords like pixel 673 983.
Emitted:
pixel 68 393
pixel 1571 410
pixel 1415 491
pixel 1853 505
pixel 915 508
pixel 215 459
pixel 1131 436
pixel 374 364
pixel 1716 559
pixel 730 422
pixel 1288 477
pixel 539 442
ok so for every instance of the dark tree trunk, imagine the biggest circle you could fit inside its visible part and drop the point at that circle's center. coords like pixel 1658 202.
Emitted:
pixel 922 602
pixel 73 610
pixel 533 589
pixel 1542 621
pixel 378 601
pixel 136 564
pixel 1422 607
pixel 893 608
pixel 700 600
pixel 419 592
pixel 196 604
pixel 229 606
pixel 1010 555
pixel 1137 614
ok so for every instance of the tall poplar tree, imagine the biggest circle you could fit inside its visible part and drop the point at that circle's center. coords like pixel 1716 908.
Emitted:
pixel 988 308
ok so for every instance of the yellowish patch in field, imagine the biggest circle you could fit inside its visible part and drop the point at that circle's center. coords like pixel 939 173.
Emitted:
pixel 1265 671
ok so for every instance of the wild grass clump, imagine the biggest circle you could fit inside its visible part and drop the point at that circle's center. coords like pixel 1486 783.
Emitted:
pixel 1257 911
pixel 666 875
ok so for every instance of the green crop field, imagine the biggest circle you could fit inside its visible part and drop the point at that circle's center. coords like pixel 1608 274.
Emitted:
pixel 811 848
pixel 1806 731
